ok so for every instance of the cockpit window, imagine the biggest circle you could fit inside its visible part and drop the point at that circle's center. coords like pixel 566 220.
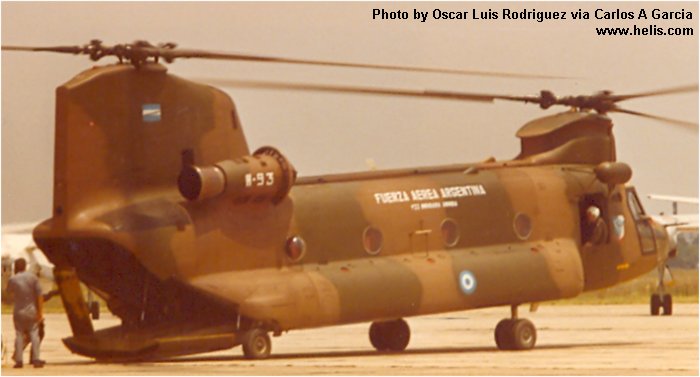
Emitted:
pixel 635 206
pixel 644 228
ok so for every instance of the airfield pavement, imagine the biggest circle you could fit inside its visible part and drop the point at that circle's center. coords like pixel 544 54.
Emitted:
pixel 572 340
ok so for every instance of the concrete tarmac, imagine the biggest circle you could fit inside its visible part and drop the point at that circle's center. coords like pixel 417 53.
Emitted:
pixel 571 340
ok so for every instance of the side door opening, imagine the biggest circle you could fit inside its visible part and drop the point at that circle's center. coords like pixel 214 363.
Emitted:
pixel 594 220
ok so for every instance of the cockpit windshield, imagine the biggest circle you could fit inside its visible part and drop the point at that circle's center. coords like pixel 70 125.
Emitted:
pixel 634 204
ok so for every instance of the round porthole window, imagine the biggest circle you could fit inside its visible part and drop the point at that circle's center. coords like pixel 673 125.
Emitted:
pixel 295 248
pixel 372 239
pixel 522 226
pixel 450 232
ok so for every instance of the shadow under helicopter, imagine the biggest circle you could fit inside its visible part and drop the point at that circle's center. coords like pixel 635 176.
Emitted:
pixel 357 353
pixel 373 353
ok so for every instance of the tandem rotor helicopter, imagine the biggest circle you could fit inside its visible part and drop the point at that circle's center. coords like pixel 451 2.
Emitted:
pixel 199 244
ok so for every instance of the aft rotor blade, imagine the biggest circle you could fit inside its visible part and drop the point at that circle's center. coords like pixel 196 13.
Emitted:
pixel 368 90
pixel 660 92
pixel 139 52
pixel 61 49
pixel 659 118
pixel 184 53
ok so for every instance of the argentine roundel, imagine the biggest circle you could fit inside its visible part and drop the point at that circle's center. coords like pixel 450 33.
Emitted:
pixel 467 282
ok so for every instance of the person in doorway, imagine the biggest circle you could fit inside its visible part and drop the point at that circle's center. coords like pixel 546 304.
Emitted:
pixel 28 311
pixel 598 229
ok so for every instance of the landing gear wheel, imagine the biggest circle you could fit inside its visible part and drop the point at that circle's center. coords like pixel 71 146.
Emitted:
pixel 390 336
pixel 501 334
pixel 524 335
pixel 655 304
pixel 376 336
pixel 94 307
pixel 256 344
pixel 667 304
pixel 515 334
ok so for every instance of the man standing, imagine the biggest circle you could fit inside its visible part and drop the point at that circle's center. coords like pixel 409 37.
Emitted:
pixel 28 312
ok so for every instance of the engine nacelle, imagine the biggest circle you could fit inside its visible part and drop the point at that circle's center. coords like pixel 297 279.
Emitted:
pixel 264 176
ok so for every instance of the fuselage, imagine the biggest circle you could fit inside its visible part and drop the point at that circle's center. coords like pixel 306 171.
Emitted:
pixel 380 248
pixel 335 249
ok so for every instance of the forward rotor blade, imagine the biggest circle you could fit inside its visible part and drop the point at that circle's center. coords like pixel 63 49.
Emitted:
pixel 660 92
pixel 677 122
pixel 368 90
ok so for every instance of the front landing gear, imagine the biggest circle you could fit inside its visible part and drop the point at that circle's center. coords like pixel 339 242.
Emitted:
pixel 256 344
pixel 390 335
pixel 661 299
pixel 515 334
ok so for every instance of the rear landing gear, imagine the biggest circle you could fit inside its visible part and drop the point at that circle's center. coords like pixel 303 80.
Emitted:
pixel 94 308
pixel 256 344
pixel 390 335
pixel 515 334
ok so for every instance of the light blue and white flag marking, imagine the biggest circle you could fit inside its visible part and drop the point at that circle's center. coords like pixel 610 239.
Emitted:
pixel 151 112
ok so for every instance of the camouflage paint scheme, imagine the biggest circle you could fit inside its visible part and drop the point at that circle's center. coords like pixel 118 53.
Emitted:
pixel 187 276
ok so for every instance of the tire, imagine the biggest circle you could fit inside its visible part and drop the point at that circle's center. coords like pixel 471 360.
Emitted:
pixel 502 334
pixel 524 335
pixel 390 336
pixel 667 304
pixel 376 336
pixel 95 310
pixel 398 335
pixel 256 344
pixel 655 304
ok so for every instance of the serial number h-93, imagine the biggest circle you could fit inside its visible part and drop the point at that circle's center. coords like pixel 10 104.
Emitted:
pixel 264 176
pixel 260 179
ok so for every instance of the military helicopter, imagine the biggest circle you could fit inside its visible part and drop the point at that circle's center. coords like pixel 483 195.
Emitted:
pixel 198 245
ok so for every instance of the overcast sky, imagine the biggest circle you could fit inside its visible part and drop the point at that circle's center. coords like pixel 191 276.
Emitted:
pixel 329 133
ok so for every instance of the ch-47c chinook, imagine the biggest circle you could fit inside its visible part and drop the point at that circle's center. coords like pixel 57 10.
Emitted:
pixel 197 244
